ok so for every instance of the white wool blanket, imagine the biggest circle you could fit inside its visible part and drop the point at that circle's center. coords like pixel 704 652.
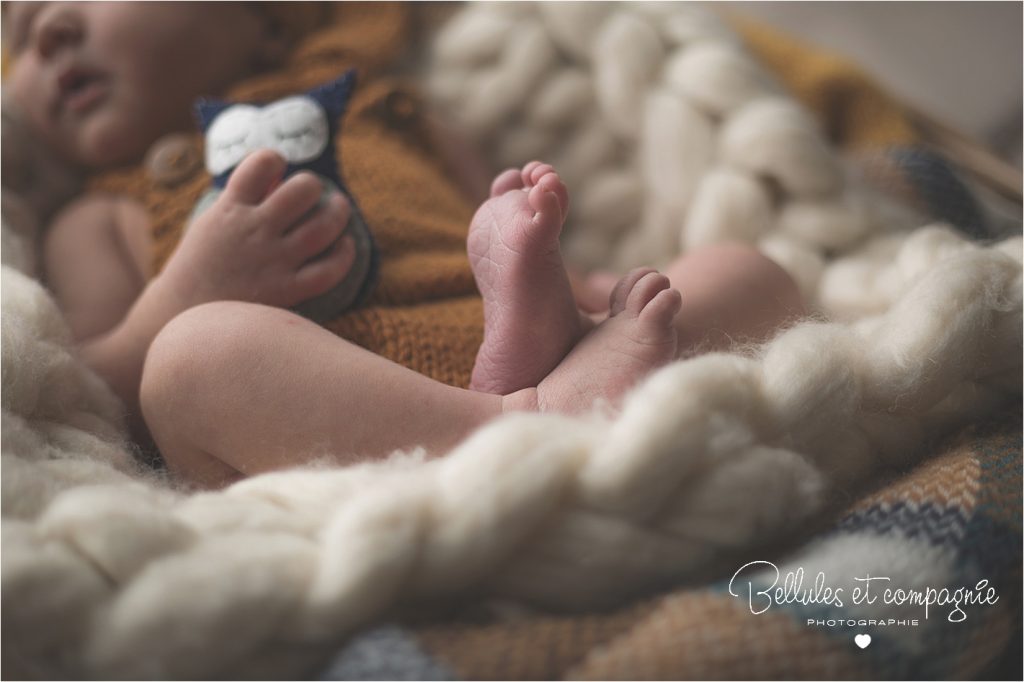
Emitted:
pixel 111 572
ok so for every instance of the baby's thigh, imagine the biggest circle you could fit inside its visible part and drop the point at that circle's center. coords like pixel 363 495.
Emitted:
pixel 241 387
pixel 199 373
pixel 731 293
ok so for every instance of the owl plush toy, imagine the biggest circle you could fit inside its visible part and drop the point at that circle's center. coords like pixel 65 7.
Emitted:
pixel 302 129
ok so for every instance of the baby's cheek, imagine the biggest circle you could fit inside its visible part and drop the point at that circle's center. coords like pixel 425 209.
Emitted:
pixel 28 97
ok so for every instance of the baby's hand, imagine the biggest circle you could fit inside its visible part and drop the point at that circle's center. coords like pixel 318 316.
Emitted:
pixel 258 242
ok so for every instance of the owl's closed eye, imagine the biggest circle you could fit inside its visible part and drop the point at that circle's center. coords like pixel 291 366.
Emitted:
pixel 295 127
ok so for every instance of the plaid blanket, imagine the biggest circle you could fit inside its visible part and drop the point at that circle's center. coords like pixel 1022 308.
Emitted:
pixel 951 523
pixel 874 130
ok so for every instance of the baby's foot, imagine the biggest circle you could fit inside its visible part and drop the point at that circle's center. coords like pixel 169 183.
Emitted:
pixel 637 338
pixel 530 317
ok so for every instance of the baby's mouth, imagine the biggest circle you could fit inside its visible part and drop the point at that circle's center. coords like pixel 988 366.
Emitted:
pixel 80 89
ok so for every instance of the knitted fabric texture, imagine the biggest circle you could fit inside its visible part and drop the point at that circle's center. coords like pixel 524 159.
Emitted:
pixel 109 573
pixel 425 312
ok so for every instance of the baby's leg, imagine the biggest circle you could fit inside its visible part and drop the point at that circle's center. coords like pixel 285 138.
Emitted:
pixel 530 317
pixel 233 389
pixel 731 292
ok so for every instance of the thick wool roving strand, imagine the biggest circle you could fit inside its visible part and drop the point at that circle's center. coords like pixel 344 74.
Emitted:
pixel 667 97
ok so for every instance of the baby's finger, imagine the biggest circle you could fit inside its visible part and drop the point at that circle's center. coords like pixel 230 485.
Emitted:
pixel 318 232
pixel 257 175
pixel 296 197
pixel 319 275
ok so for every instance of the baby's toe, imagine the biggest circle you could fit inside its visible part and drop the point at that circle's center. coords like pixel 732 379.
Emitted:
pixel 527 173
pixel 507 181
pixel 255 177
pixel 623 288
pixel 537 172
pixel 662 309
pixel 644 291
pixel 548 209
pixel 551 182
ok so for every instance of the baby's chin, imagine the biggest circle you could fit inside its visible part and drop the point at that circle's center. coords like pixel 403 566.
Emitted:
pixel 104 143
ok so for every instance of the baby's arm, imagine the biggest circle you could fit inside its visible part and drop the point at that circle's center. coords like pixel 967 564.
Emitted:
pixel 254 244
pixel 95 260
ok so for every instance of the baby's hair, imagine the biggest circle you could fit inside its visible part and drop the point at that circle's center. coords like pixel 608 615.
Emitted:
pixel 6 56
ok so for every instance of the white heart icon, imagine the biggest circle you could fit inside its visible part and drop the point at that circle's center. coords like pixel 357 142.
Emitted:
pixel 862 641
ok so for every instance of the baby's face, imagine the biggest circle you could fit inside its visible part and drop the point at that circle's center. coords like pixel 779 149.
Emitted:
pixel 101 81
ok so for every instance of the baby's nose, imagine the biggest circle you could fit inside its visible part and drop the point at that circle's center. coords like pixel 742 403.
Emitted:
pixel 58 29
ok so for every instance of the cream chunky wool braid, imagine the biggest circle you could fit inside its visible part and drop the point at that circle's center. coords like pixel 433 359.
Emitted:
pixel 668 134
pixel 110 573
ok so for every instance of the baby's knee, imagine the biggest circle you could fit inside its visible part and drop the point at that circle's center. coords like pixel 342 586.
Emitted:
pixel 193 355
pixel 738 265
pixel 732 292
pixel 778 285
pixel 192 369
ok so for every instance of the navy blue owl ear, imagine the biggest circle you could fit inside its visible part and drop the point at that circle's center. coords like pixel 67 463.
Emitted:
pixel 333 96
pixel 207 109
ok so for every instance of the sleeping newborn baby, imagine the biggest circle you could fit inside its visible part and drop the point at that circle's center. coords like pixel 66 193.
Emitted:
pixel 206 355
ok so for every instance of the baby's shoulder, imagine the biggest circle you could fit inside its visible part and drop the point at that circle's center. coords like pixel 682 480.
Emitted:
pixel 91 206
pixel 103 206
pixel 116 219
pixel 95 213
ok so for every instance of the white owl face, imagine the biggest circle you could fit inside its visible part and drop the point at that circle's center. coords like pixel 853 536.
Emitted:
pixel 295 127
